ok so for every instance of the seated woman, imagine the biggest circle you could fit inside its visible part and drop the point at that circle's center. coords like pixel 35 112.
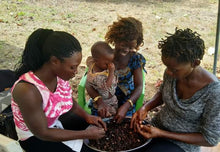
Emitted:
pixel 126 35
pixel 190 117
pixel 42 94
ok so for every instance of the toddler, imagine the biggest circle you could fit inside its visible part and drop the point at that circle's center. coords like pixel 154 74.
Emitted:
pixel 101 76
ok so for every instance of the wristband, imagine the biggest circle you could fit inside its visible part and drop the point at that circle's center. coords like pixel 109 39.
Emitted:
pixel 131 103
pixel 96 98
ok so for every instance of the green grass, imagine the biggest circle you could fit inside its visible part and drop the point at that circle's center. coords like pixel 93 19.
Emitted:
pixel 21 17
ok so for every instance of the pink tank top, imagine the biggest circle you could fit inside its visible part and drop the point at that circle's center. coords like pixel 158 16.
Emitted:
pixel 54 103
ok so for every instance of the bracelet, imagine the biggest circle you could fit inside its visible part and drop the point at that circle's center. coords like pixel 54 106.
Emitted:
pixel 131 103
pixel 96 98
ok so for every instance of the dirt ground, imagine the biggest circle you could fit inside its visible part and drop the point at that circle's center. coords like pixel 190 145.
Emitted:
pixel 88 20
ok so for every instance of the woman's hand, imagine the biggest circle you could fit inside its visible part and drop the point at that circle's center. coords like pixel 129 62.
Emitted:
pixel 138 117
pixel 148 131
pixel 103 110
pixel 94 120
pixel 121 113
pixel 94 132
pixel 97 131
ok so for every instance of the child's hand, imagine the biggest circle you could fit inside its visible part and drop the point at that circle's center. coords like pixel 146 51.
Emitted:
pixel 111 67
pixel 111 70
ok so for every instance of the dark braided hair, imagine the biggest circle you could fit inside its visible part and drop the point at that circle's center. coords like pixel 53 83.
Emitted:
pixel 184 45
pixel 44 43
pixel 125 29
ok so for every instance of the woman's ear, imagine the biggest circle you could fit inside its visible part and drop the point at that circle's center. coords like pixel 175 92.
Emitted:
pixel 54 61
pixel 196 63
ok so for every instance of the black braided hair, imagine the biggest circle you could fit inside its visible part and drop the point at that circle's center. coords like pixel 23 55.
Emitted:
pixel 184 45
pixel 44 43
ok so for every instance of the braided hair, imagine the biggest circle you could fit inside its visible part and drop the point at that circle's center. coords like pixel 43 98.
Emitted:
pixel 184 45
pixel 44 43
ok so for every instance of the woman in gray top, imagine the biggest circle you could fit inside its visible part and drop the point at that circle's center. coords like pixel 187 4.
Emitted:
pixel 190 115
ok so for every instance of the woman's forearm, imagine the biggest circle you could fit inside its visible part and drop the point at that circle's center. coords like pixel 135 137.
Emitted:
pixel 190 138
pixel 136 93
pixel 154 102
pixel 57 135
pixel 138 85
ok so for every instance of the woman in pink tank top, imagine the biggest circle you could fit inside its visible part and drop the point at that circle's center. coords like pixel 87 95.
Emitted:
pixel 42 94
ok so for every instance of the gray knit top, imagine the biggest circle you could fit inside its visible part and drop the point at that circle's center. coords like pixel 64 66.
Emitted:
pixel 200 113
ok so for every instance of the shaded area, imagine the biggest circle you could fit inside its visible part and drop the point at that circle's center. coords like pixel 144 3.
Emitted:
pixel 9 53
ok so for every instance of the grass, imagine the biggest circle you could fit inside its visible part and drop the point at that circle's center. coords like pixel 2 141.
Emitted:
pixel 88 21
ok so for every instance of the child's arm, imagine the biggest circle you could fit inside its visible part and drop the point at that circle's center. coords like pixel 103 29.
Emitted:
pixel 111 69
pixel 103 109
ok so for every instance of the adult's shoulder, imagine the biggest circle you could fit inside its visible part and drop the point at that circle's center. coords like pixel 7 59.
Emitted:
pixel 24 91
pixel 211 92
pixel 215 87
pixel 210 80
pixel 208 75
pixel 137 60
pixel 137 55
